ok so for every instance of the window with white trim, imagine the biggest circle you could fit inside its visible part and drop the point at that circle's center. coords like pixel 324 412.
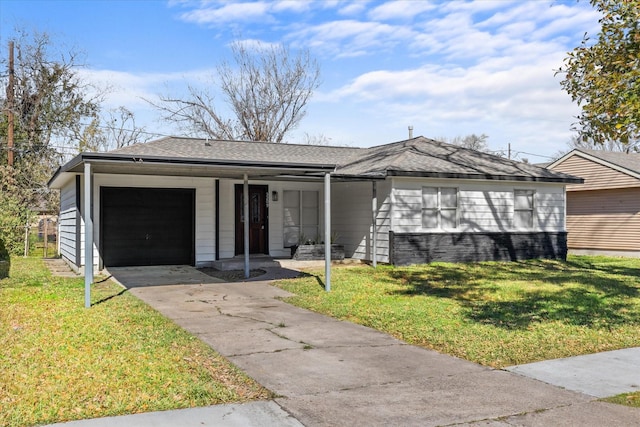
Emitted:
pixel 301 216
pixel 439 207
pixel 523 208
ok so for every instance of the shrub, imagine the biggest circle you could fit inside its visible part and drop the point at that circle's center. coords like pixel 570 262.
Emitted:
pixel 13 217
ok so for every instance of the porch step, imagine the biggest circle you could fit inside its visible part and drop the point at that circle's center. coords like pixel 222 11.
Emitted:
pixel 237 263
pixel 59 268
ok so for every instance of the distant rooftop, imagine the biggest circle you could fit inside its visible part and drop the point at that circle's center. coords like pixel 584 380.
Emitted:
pixel 630 161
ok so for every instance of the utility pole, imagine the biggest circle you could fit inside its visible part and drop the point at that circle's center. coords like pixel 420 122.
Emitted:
pixel 509 156
pixel 10 107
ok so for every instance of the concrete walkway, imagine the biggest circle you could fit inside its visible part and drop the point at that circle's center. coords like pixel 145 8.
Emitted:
pixel 600 375
pixel 335 373
pixel 252 414
pixel 330 372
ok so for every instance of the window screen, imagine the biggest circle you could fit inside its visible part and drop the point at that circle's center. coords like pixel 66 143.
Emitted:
pixel 523 208
pixel 439 207
pixel 301 216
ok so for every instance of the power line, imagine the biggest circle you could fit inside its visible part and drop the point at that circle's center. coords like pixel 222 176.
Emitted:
pixel 535 155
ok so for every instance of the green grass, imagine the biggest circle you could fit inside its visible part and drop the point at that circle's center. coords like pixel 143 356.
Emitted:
pixel 628 399
pixel 60 361
pixel 495 313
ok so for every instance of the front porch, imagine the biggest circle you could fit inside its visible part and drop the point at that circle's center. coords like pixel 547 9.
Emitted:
pixel 256 261
pixel 265 262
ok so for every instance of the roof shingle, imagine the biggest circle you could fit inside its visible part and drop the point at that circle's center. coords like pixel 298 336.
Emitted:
pixel 268 152
pixel 418 156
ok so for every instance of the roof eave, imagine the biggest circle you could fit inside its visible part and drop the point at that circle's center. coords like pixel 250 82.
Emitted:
pixel 105 158
pixel 490 177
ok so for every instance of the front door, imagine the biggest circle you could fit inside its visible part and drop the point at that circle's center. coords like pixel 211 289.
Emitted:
pixel 258 220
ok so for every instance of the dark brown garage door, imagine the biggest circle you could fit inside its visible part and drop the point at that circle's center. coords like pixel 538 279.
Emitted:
pixel 147 226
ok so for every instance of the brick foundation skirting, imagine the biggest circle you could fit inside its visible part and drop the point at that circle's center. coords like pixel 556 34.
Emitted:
pixel 418 248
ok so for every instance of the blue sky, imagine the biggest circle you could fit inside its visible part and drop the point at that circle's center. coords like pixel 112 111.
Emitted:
pixel 446 68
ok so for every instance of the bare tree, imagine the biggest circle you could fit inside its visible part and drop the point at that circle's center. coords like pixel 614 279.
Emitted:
pixel 318 139
pixel 116 130
pixel 51 106
pixel 472 141
pixel 265 87
pixel 121 129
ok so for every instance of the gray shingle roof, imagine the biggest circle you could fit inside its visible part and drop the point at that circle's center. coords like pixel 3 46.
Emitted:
pixel 425 157
pixel 417 156
pixel 630 161
pixel 240 151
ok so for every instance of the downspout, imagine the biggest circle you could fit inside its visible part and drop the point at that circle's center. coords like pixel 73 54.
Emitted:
pixel 88 236
pixel 327 231
pixel 245 207
pixel 374 209
pixel 217 220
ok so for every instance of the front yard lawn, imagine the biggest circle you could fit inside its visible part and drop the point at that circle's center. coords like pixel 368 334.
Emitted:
pixel 60 361
pixel 495 313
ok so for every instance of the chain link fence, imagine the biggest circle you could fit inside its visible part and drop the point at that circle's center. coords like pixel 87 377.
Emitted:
pixel 42 237
pixel 39 237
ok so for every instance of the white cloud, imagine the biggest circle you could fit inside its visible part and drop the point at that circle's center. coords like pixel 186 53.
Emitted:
pixel 345 38
pixel 448 68
pixel 291 5
pixel 353 8
pixel 255 44
pixel 475 7
pixel 520 104
pixel 400 9
pixel 131 90
pixel 231 12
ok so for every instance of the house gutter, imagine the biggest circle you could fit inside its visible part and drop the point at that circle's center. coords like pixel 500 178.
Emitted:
pixel 489 177
pixel 106 158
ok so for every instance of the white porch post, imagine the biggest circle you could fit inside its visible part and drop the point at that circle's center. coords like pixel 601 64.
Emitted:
pixel 327 231
pixel 245 207
pixel 88 236
pixel 374 209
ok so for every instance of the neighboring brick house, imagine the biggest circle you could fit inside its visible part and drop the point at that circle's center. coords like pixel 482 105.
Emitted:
pixel 603 214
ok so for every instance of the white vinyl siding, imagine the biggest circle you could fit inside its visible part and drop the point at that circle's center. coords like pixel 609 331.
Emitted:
pixel 67 223
pixel 352 218
pixel 439 207
pixel 483 206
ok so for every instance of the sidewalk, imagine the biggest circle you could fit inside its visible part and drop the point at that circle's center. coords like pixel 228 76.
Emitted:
pixel 253 414
pixel 334 373
pixel 600 375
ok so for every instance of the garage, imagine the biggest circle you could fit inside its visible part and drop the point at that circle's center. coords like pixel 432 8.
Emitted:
pixel 147 226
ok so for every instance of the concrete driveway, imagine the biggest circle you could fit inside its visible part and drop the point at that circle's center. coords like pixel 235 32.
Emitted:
pixel 333 373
